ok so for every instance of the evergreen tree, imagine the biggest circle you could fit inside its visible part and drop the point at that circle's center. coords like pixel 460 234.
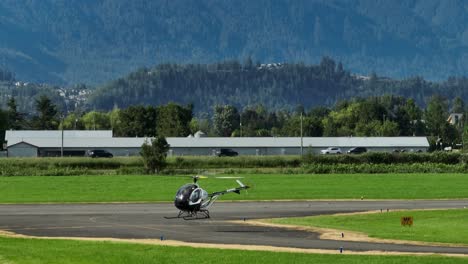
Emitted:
pixel 436 115
pixel 15 118
pixel 47 118
pixel 3 126
pixel 458 106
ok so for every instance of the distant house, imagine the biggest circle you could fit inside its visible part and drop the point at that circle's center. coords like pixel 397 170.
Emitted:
pixel 455 119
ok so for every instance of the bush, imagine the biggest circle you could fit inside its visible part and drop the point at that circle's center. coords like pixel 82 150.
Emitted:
pixel 154 154
pixel 385 168
pixel 365 163
pixel 388 158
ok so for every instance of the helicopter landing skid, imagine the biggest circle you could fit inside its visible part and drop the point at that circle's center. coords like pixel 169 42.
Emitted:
pixel 202 214
pixel 180 215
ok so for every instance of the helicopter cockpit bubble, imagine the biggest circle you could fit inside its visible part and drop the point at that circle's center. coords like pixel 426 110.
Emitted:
pixel 183 195
pixel 195 196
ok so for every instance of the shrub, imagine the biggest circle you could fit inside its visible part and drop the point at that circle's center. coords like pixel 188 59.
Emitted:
pixel 154 154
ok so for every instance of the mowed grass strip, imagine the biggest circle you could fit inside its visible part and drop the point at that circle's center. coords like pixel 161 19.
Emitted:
pixel 121 188
pixel 26 251
pixel 445 226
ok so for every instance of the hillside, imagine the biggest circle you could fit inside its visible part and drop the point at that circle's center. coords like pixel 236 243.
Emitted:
pixel 92 42
pixel 276 86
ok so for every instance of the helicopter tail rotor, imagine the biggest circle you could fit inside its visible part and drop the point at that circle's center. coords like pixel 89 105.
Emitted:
pixel 240 183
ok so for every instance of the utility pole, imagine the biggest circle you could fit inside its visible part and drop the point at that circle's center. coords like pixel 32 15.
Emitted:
pixel 61 147
pixel 240 125
pixel 302 141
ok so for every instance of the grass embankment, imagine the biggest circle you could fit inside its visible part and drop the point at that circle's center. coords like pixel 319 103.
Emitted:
pixel 120 188
pixel 444 226
pixel 366 163
pixel 26 251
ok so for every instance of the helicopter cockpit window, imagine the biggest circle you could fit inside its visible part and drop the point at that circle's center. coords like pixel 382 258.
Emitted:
pixel 196 195
pixel 185 190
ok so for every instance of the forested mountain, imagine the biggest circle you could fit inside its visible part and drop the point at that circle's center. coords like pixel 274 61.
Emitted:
pixel 275 86
pixel 87 41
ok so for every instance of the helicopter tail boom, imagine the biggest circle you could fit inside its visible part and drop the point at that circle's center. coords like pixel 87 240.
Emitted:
pixel 234 190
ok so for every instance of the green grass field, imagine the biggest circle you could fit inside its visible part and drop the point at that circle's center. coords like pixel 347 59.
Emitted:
pixel 446 226
pixel 28 251
pixel 118 188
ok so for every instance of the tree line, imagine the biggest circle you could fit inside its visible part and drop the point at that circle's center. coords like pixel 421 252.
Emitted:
pixel 373 116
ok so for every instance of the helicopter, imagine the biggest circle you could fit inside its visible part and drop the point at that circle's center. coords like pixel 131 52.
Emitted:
pixel 193 202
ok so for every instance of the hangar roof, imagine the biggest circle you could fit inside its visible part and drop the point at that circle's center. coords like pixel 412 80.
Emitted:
pixel 89 143
pixel 15 135
pixel 227 142
pixel 321 142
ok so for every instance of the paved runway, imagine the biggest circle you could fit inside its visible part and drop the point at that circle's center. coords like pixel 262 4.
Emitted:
pixel 147 221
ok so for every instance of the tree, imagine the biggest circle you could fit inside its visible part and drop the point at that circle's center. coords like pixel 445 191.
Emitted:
pixel 47 118
pixel 15 118
pixel 200 124
pixel 3 126
pixel 389 129
pixel 96 121
pixel 174 120
pixel 458 106
pixel 73 121
pixel 450 135
pixel 154 154
pixel 226 119
pixel 414 114
pixel 136 121
pixel 311 126
pixel 436 115
pixel 114 117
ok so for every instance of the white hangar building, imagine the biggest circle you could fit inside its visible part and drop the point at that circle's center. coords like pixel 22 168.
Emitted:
pixel 30 143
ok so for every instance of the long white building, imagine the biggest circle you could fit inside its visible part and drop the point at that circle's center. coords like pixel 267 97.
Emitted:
pixel 75 143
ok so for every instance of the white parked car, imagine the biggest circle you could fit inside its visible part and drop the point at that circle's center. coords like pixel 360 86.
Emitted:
pixel 331 150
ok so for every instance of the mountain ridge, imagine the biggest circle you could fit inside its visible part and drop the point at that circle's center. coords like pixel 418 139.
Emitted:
pixel 93 42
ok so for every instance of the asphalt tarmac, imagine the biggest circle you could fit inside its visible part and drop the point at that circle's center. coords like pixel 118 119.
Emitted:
pixel 143 221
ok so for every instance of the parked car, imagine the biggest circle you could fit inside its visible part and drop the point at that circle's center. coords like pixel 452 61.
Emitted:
pixel 99 153
pixel 226 153
pixel 357 150
pixel 331 150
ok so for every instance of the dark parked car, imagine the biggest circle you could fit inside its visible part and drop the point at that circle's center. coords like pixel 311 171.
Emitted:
pixel 226 153
pixel 357 150
pixel 99 153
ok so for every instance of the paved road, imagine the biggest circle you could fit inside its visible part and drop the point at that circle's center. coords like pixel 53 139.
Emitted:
pixel 147 221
